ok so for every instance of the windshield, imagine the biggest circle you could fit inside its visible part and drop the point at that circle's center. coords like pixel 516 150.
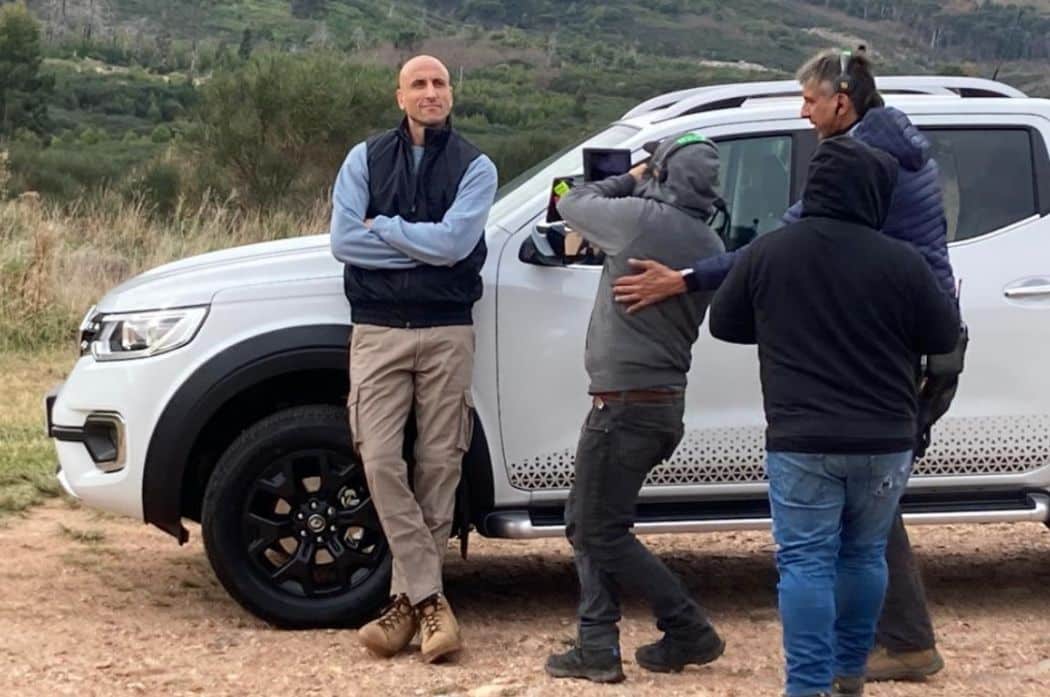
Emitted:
pixel 537 179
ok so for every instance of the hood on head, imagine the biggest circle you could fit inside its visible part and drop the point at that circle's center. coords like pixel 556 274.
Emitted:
pixel 849 181
pixel 891 130
pixel 683 172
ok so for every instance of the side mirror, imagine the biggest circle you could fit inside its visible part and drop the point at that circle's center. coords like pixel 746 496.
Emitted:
pixel 531 254
pixel 552 244
pixel 545 246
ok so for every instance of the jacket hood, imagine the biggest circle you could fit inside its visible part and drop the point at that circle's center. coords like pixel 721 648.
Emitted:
pixel 890 130
pixel 683 173
pixel 849 181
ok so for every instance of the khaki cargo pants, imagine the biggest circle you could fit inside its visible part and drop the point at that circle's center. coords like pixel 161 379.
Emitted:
pixel 392 371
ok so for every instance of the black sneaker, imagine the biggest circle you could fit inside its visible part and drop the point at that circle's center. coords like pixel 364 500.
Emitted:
pixel 672 655
pixel 596 666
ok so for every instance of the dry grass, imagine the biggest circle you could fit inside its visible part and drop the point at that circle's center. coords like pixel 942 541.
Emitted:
pixel 90 536
pixel 27 458
pixel 57 261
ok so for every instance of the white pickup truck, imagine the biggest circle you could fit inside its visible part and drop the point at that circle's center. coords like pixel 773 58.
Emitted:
pixel 214 388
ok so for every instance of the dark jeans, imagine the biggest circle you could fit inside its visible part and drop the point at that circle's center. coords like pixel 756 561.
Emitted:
pixel 619 444
pixel 905 621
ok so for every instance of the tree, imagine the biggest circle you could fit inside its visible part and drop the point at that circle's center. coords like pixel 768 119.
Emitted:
pixel 95 18
pixel 153 113
pixel 321 38
pixel 408 40
pixel 284 120
pixel 579 105
pixel 23 92
pixel 308 9
pixel 90 137
pixel 486 11
pixel 198 9
pixel 247 44
pixel 223 59
pixel 357 38
pixel 163 41
pixel 63 18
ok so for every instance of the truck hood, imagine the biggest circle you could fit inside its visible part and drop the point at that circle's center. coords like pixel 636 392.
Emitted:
pixel 196 280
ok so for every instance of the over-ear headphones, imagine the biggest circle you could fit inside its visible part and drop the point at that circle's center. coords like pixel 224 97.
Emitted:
pixel 679 143
pixel 844 82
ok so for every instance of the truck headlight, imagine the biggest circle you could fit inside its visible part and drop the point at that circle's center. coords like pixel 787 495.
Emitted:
pixel 129 335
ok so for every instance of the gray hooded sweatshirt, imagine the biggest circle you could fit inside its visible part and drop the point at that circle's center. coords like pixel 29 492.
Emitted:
pixel 658 220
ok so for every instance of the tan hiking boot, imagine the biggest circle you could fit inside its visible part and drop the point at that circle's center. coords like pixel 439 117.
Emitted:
pixel 438 627
pixel 392 631
pixel 912 666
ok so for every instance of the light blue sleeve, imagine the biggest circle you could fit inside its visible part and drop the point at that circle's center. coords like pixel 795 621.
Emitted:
pixel 353 243
pixel 451 240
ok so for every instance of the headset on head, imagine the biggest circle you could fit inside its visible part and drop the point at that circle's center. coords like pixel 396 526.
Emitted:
pixel 844 82
pixel 682 141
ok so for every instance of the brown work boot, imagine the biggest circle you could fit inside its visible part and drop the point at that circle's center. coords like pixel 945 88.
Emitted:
pixel 906 665
pixel 392 631
pixel 847 687
pixel 438 627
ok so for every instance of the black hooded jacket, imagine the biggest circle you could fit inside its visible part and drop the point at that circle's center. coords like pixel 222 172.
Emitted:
pixel 840 312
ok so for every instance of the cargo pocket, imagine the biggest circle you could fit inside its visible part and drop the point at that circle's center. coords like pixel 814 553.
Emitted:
pixel 354 417
pixel 466 421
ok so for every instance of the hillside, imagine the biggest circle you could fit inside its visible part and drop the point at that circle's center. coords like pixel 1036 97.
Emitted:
pixel 531 75
pixel 149 130
pixel 907 34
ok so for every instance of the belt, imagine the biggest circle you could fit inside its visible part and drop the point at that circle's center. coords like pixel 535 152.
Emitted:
pixel 658 396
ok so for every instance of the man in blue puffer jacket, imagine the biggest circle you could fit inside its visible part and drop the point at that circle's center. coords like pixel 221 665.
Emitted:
pixel 916 212
pixel 839 97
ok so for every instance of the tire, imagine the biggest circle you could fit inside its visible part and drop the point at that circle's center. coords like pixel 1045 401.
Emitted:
pixel 289 527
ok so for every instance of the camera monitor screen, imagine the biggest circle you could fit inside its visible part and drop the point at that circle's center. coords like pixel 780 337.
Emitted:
pixel 601 163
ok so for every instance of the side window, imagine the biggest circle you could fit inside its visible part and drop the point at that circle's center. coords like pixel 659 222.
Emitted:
pixel 986 177
pixel 755 183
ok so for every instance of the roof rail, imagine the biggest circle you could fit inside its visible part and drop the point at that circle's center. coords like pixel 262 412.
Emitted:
pixel 714 97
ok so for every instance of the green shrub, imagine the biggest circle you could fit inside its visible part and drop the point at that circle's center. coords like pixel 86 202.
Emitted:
pixel 159 186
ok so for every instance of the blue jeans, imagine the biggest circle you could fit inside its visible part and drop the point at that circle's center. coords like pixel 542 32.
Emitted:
pixel 831 518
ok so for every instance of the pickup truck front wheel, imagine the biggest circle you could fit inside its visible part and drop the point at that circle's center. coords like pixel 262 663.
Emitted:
pixel 289 526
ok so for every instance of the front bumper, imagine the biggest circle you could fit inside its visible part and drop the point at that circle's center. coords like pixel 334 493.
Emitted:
pixel 49 406
pixel 103 434
pixel 49 431
pixel 100 424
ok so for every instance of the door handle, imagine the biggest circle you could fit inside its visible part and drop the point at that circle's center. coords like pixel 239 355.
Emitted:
pixel 1028 291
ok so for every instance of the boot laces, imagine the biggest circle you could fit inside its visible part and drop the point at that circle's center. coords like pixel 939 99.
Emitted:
pixel 428 616
pixel 395 614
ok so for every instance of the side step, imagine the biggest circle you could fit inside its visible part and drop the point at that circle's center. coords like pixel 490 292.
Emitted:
pixel 529 525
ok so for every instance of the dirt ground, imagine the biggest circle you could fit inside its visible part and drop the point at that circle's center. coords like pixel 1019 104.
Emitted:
pixel 94 605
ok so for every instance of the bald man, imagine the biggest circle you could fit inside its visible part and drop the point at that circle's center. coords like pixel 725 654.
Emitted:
pixel 408 216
